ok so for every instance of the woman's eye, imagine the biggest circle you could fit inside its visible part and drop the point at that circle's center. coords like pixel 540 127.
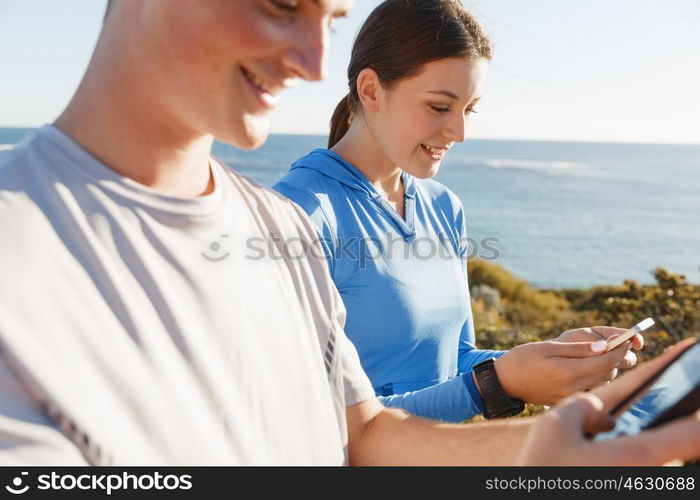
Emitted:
pixel 438 109
pixel 470 111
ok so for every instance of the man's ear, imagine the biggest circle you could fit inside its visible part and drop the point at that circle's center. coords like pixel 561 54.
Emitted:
pixel 369 89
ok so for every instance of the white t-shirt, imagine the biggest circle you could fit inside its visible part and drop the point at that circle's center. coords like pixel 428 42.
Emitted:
pixel 140 328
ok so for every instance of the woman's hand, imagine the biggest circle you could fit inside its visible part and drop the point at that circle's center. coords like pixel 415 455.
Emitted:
pixel 546 372
pixel 605 333
pixel 559 436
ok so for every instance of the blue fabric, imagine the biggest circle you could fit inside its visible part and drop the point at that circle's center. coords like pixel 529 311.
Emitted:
pixel 403 283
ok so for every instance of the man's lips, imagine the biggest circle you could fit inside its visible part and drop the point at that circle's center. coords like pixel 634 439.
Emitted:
pixel 271 86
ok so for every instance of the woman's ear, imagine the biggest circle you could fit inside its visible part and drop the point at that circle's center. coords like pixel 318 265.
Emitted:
pixel 369 89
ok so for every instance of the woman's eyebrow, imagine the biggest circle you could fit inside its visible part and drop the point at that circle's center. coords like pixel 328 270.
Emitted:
pixel 451 95
pixel 446 93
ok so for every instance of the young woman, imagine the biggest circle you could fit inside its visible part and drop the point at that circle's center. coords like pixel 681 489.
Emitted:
pixel 395 240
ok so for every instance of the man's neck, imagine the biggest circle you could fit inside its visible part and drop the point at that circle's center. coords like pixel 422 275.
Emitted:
pixel 117 117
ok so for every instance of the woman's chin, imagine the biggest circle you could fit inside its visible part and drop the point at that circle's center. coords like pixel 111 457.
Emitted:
pixel 425 172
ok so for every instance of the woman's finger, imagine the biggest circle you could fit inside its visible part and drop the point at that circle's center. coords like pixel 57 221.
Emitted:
pixel 629 361
pixel 593 381
pixel 638 342
pixel 608 331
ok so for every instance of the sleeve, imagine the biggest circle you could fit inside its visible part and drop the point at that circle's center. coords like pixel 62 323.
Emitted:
pixel 469 356
pixel 356 385
pixel 27 435
pixel 310 204
pixel 454 400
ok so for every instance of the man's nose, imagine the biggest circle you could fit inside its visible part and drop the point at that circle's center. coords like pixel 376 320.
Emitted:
pixel 307 58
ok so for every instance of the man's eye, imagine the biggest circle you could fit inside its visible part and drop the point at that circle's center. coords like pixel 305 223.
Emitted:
pixel 438 109
pixel 331 26
pixel 286 7
pixel 333 20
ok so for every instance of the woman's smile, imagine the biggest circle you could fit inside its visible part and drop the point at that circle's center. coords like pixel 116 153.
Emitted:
pixel 435 153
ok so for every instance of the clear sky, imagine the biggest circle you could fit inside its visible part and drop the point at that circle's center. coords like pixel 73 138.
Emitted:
pixel 599 70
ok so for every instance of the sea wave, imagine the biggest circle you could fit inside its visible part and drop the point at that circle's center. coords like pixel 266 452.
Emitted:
pixel 4 147
pixel 546 166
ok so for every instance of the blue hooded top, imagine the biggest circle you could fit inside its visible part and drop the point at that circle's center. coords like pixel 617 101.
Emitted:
pixel 403 282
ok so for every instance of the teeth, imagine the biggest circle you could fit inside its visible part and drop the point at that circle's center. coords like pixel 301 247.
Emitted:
pixel 434 150
pixel 258 82
pixel 290 82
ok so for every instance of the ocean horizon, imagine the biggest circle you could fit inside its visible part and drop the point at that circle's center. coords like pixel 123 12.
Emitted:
pixel 559 214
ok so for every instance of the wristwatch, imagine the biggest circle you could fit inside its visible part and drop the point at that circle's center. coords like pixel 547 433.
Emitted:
pixel 497 402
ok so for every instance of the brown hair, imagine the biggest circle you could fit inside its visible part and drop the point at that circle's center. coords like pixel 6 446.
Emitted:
pixel 398 38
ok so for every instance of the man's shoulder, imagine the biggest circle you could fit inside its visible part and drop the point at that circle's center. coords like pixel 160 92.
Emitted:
pixel 272 207
pixel 14 164
pixel 28 195
pixel 18 179
pixel 257 193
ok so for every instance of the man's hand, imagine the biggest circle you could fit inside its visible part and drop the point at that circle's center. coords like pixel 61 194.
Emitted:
pixel 546 372
pixel 559 436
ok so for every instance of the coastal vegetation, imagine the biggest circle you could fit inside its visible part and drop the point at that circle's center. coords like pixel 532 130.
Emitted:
pixel 507 311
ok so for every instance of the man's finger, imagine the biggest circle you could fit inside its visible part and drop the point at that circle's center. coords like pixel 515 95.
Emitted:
pixel 625 385
pixel 679 439
pixel 578 412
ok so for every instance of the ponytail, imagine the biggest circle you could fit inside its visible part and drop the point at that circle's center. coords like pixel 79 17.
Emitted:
pixel 340 122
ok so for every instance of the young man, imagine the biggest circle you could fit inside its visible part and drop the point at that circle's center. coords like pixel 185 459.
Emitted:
pixel 133 330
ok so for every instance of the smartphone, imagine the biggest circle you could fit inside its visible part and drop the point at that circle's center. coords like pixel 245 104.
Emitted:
pixel 638 328
pixel 671 393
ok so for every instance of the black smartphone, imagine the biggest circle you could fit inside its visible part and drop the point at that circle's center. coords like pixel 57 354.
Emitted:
pixel 671 393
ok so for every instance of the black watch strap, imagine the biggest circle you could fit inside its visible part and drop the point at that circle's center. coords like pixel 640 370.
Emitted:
pixel 497 403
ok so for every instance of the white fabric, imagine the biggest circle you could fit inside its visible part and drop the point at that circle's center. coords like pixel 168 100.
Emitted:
pixel 128 337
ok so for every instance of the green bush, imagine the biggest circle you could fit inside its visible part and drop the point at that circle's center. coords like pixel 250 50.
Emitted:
pixel 525 309
pixel 528 314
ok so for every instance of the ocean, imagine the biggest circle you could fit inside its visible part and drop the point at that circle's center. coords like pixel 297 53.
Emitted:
pixel 558 214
